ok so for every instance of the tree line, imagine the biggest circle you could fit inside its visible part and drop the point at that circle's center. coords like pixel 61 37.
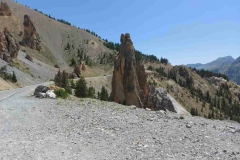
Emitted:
pixel 49 16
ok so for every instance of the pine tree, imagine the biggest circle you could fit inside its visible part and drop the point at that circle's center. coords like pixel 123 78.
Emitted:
pixel 104 94
pixel 73 85
pixel 81 88
pixel 65 82
pixel 91 92
pixel 58 78
pixel 193 112
pixel 14 78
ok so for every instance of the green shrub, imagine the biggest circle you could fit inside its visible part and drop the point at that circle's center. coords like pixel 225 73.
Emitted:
pixel 61 93
pixel 150 68
pixel 104 94
pixel 81 90
pixel 91 92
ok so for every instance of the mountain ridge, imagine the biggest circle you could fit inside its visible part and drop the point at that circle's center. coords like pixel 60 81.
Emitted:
pixel 220 61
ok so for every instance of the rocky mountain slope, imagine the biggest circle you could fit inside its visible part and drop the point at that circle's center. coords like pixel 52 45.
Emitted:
pixel 48 41
pixel 231 70
pixel 198 93
pixel 53 34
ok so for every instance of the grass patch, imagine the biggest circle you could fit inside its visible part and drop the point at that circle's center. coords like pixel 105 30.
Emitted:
pixel 61 93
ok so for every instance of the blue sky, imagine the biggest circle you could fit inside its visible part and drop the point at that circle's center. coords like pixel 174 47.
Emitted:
pixel 184 31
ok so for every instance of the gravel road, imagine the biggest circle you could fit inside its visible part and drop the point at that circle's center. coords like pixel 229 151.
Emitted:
pixel 90 129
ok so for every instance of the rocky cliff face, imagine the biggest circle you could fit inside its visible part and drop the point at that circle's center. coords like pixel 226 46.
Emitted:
pixel 129 83
pixel 5 10
pixel 8 46
pixel 30 37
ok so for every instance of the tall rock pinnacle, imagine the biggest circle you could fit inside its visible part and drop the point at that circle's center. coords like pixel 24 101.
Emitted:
pixel 129 83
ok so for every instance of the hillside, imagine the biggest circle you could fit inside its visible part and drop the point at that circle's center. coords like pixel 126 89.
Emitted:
pixel 225 65
pixel 55 36
pixel 228 67
pixel 60 44
pixel 198 93
pixel 233 71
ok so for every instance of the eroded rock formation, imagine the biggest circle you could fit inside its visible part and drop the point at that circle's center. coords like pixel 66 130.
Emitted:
pixel 129 83
pixel 30 37
pixel 8 46
pixel 5 10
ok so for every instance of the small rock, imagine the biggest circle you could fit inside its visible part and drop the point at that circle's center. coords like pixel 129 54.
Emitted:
pixel 232 130
pixel 189 126
pixel 51 94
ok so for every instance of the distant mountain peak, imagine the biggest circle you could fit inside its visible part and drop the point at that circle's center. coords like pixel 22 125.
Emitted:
pixel 220 61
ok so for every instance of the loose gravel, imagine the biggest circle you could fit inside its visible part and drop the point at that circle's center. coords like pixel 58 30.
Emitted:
pixel 90 129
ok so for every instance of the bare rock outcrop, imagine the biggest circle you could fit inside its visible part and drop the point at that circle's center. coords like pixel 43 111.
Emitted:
pixel 129 83
pixel 8 46
pixel 5 10
pixel 158 100
pixel 30 37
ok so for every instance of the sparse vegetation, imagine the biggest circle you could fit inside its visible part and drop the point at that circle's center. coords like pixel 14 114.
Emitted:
pixel 6 76
pixel 204 73
pixel 106 58
pixel 61 93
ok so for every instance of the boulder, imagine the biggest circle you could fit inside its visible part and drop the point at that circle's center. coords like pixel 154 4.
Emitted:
pixel 40 95
pixel 129 83
pixel 8 46
pixel 30 36
pixel 50 94
pixel 158 99
pixel 41 89
pixel 5 10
